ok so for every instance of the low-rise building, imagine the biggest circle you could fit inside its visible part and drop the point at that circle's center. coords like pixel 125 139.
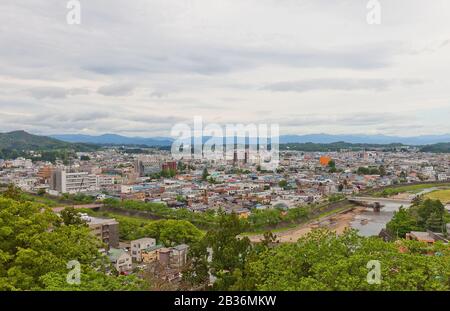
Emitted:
pixel 427 237
pixel 137 246
pixel 107 230
pixel 171 257
pixel 178 255
pixel 120 259
pixel 104 181
pixel 151 254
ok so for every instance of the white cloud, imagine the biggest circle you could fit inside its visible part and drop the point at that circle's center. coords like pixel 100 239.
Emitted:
pixel 132 63
pixel 116 90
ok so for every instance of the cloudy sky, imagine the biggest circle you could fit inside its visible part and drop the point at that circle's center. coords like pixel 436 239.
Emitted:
pixel 137 67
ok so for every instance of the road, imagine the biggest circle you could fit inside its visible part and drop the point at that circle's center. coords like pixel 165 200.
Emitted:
pixel 90 206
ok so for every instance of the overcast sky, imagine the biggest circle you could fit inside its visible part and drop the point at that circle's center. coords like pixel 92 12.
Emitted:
pixel 137 67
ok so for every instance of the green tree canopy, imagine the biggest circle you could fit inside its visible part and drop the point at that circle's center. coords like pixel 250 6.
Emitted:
pixel 324 261
pixel 35 247
pixel 173 232
pixel 421 216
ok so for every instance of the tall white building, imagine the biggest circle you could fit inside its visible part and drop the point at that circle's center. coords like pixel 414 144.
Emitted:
pixel 65 182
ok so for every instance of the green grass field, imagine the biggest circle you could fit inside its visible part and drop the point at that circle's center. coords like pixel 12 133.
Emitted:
pixel 408 188
pixel 442 195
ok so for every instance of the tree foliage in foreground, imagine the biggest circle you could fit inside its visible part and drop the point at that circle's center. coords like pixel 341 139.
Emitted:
pixel 227 255
pixel 36 246
pixel 325 261
pixel 169 232
pixel 421 216
pixel 321 260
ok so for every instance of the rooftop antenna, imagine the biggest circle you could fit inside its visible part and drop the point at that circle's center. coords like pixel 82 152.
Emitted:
pixel 81 184
pixel 70 161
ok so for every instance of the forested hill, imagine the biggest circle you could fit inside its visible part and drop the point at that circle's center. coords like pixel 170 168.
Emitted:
pixel 437 148
pixel 19 143
pixel 338 146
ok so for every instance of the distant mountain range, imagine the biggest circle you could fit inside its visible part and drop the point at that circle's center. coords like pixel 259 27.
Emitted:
pixel 113 139
pixel 365 139
pixel 312 138
pixel 17 143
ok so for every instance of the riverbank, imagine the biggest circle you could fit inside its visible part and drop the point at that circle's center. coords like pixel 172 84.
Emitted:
pixel 337 221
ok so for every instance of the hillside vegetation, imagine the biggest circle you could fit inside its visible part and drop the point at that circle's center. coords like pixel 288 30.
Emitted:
pixel 437 148
pixel 20 143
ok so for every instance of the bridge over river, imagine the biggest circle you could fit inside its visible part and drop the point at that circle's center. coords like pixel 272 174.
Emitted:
pixel 378 203
pixel 378 213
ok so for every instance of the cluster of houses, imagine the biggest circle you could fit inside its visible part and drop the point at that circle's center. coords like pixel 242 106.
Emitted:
pixel 301 178
pixel 126 256
pixel 238 186
pixel 144 252
pixel 233 185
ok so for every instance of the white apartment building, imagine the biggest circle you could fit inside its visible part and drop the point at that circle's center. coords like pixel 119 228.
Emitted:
pixel 65 182
pixel 21 162
pixel 26 183
pixel 443 177
pixel 120 259
pixel 428 171
pixel 105 180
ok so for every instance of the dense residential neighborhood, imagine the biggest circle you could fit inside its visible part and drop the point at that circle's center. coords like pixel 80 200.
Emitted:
pixel 98 185
pixel 227 154
pixel 234 185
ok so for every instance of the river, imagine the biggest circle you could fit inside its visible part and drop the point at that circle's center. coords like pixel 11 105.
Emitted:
pixel 370 223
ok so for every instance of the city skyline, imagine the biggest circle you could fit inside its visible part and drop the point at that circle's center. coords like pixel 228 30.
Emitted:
pixel 235 153
pixel 138 69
